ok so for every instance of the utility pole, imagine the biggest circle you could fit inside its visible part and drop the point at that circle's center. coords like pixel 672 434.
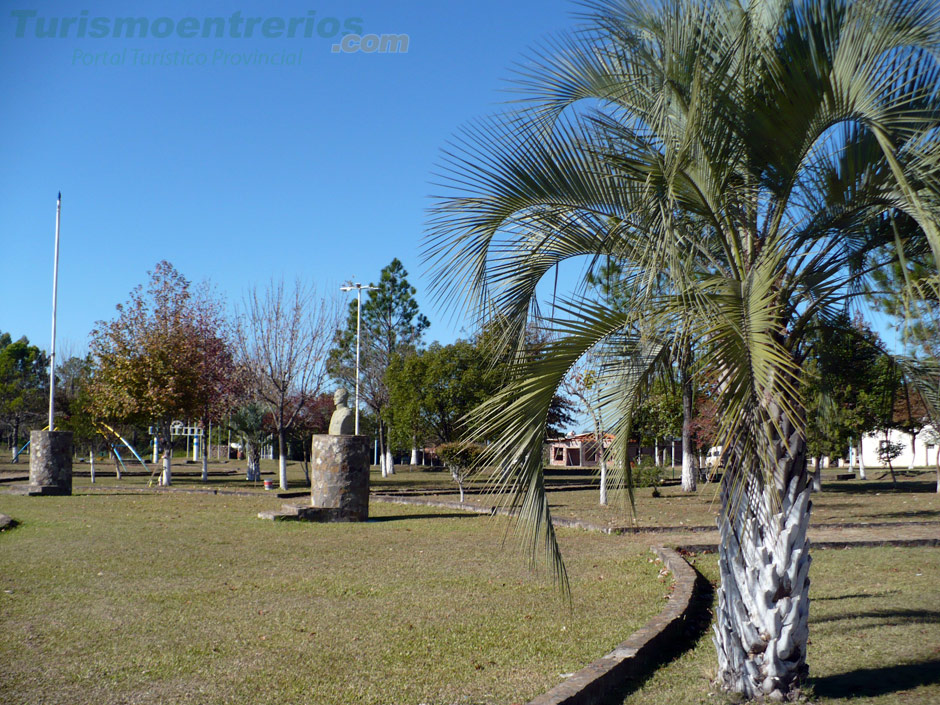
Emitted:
pixel 358 288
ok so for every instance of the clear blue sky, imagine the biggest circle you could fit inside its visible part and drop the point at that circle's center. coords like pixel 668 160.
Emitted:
pixel 235 173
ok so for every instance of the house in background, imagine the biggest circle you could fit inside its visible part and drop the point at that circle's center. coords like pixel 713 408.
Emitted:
pixel 919 451
pixel 581 450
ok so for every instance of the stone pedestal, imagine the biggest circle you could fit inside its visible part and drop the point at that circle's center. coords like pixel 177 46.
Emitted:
pixel 50 463
pixel 339 477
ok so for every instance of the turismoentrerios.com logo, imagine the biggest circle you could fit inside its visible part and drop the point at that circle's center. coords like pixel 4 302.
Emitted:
pixel 347 32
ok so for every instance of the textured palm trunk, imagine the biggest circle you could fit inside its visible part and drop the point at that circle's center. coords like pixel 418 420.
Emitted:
pixel 761 626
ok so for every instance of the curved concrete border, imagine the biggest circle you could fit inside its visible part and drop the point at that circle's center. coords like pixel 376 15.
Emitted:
pixel 594 682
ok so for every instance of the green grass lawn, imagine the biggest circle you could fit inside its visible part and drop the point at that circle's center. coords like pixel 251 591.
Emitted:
pixel 874 634
pixel 188 598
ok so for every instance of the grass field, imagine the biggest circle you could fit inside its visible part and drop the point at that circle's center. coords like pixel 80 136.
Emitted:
pixel 182 598
pixel 117 597
pixel 874 634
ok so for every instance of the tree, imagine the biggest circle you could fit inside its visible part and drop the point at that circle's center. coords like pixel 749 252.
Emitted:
pixel 581 383
pixel 433 390
pixel 24 386
pixel 247 420
pixel 283 345
pixel 460 458
pixel 154 362
pixel 748 163
pixel 391 323
pixel 219 379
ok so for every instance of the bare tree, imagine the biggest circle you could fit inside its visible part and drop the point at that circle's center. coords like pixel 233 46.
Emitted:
pixel 284 341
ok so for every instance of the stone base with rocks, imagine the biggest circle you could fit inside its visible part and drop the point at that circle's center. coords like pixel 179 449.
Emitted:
pixel 339 483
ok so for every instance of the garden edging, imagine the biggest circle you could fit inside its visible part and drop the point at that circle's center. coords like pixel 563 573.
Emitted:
pixel 593 683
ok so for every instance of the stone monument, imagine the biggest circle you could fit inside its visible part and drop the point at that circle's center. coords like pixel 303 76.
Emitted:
pixel 50 463
pixel 339 477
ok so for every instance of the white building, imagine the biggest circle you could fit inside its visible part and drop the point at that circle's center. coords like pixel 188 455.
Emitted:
pixel 921 451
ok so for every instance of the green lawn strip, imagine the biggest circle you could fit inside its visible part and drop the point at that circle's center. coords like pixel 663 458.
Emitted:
pixel 189 598
pixel 874 633
pixel 841 502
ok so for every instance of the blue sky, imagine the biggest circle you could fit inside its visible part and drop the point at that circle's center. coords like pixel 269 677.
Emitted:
pixel 234 172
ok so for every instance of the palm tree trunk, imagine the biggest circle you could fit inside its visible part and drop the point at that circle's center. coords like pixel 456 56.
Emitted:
pixel 762 623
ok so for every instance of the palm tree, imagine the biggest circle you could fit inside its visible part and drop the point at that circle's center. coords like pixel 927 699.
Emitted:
pixel 750 164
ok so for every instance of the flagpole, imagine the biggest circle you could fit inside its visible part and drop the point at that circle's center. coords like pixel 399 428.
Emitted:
pixel 358 288
pixel 55 283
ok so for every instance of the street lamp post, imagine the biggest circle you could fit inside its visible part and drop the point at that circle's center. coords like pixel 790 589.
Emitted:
pixel 359 288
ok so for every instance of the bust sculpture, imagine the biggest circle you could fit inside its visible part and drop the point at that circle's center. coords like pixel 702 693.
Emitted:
pixel 343 422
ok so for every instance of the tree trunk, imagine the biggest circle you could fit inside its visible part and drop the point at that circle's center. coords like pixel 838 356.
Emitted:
pixel 389 462
pixel 204 449
pixel 762 622
pixel 282 458
pixel 913 450
pixel 253 458
pixel 16 440
pixel 91 461
pixel 861 462
pixel 382 460
pixel 817 475
pixel 689 473
pixel 414 453
pixel 656 452
pixel 166 478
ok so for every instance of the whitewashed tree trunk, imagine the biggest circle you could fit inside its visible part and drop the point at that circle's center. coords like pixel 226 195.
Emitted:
pixel 282 459
pixel 913 451
pixel 414 455
pixel 166 478
pixel 817 475
pixel 91 460
pixel 253 457
pixel 389 463
pixel 689 466
pixel 861 462
pixel 656 452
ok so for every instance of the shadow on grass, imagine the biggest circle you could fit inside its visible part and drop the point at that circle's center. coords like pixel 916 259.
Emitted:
pixel 696 626
pixel 871 682
pixel 854 596
pixel 869 487
pixel 888 616
pixel 919 514
pixel 407 517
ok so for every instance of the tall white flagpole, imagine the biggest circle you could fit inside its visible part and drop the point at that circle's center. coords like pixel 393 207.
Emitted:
pixel 55 284
pixel 358 288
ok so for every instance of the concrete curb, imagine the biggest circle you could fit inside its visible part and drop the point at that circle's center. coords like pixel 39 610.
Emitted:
pixel 596 681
